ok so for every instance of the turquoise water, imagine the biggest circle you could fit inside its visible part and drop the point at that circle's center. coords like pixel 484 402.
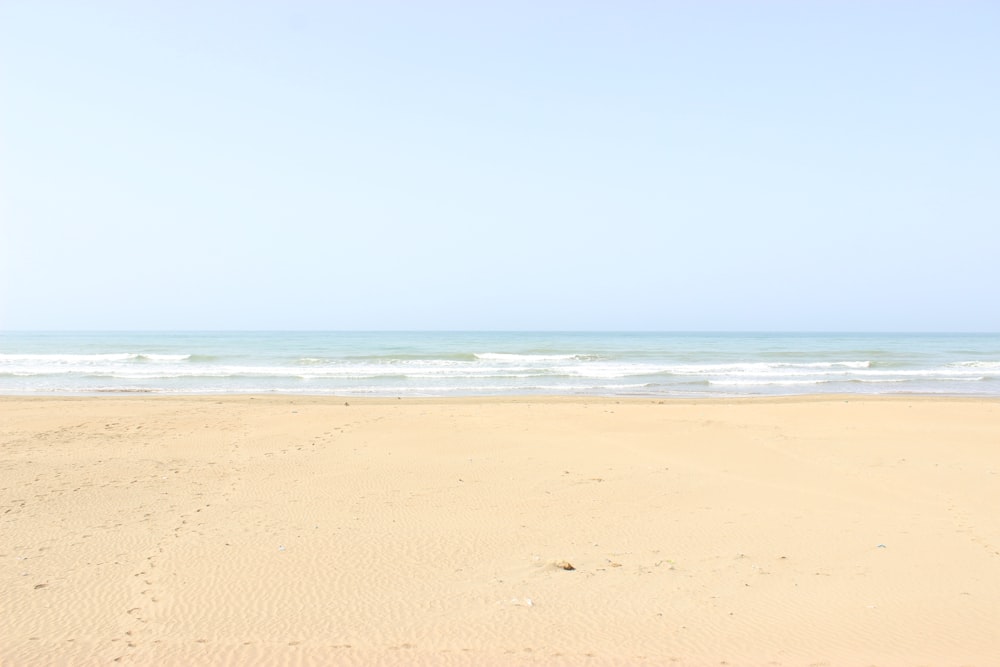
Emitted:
pixel 499 363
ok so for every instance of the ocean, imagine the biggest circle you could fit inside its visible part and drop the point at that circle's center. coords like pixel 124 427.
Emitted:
pixel 665 365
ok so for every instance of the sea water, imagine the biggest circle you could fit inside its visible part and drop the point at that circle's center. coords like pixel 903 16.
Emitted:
pixel 499 363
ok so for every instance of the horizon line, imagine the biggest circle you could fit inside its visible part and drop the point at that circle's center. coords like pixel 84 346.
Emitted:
pixel 522 331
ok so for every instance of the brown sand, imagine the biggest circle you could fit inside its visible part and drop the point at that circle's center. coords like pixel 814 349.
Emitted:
pixel 832 531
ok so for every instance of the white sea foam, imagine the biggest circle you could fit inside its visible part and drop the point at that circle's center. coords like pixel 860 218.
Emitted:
pixel 635 369
pixel 766 366
pixel 179 366
pixel 880 380
pixel 66 358
pixel 755 383
pixel 989 365
pixel 930 373
pixel 529 358
pixel 164 357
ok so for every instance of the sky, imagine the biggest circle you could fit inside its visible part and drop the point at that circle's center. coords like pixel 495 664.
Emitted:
pixel 729 166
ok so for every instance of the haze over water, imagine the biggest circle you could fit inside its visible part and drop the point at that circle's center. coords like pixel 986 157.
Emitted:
pixel 499 363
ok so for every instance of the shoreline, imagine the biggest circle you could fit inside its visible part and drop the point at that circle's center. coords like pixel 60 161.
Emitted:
pixel 429 364
pixel 337 399
pixel 849 529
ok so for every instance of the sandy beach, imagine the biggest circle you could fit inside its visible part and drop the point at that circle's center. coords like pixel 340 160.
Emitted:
pixel 564 531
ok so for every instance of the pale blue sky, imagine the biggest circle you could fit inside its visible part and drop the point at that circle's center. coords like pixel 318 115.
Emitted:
pixel 536 165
